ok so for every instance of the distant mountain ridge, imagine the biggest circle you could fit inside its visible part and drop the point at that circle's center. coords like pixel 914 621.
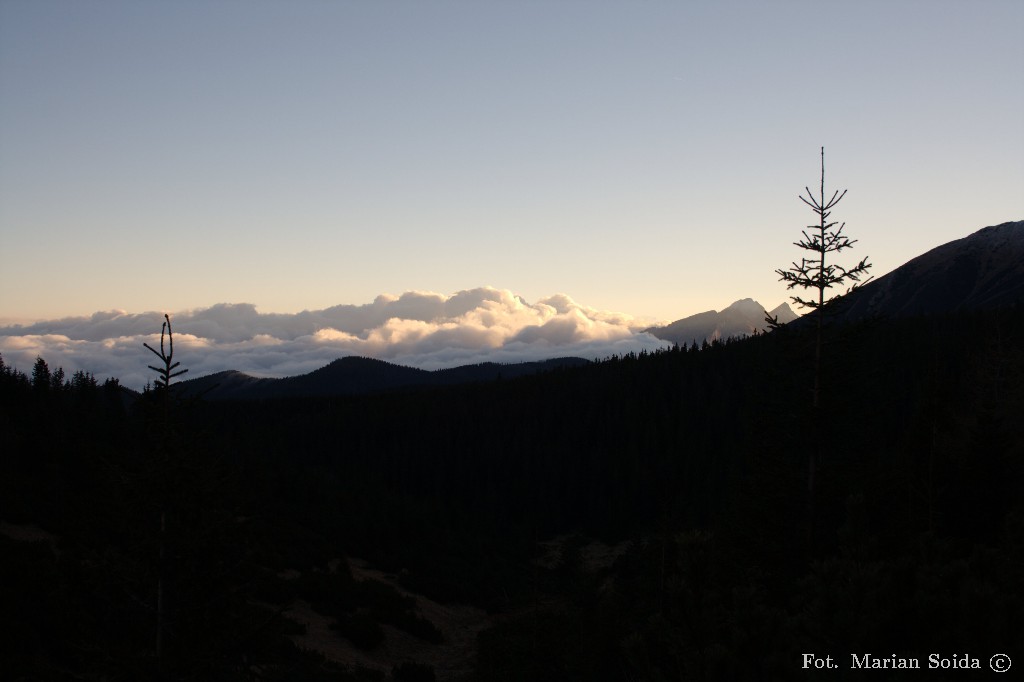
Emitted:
pixel 359 376
pixel 983 270
pixel 742 318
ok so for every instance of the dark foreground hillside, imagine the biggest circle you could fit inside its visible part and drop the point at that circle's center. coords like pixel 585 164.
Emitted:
pixel 642 518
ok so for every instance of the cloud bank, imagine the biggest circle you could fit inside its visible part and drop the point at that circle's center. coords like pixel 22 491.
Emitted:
pixel 418 329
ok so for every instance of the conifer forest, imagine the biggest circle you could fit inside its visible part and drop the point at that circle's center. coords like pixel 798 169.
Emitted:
pixel 645 517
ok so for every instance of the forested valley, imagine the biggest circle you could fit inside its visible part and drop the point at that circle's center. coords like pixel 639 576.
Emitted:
pixel 158 536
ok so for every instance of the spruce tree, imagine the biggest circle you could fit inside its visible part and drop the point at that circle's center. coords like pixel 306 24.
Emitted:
pixel 40 375
pixel 819 273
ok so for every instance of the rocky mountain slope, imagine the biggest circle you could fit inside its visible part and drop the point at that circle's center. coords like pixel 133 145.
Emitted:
pixel 981 271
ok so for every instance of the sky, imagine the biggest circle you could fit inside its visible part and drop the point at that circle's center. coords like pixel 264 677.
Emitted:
pixel 642 159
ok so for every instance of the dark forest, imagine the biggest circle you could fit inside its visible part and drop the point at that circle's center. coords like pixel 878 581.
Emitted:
pixel 169 536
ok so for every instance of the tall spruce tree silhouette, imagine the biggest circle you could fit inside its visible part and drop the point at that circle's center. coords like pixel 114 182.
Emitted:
pixel 817 273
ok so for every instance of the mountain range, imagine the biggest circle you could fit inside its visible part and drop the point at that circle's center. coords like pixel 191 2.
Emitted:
pixel 742 318
pixel 358 375
pixel 982 270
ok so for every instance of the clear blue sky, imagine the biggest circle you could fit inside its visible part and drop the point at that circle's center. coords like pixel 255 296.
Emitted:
pixel 643 157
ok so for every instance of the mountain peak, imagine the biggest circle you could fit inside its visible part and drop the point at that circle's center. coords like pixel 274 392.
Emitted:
pixel 745 304
pixel 741 318
pixel 783 313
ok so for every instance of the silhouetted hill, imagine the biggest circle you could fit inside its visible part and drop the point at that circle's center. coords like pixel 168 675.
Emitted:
pixel 359 376
pixel 984 270
pixel 741 318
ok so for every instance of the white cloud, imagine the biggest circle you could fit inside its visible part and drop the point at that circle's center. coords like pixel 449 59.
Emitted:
pixel 419 329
